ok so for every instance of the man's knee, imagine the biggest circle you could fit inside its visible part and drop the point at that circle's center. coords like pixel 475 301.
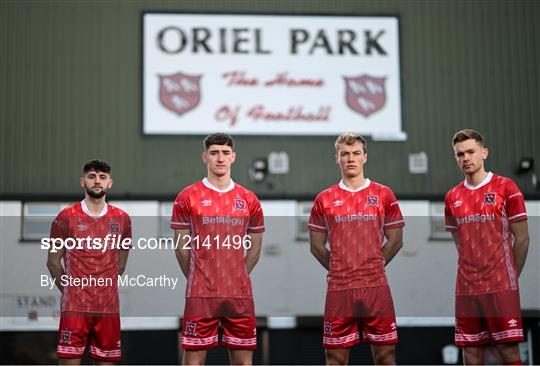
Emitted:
pixel 194 357
pixel 473 355
pixel 337 356
pixel 241 357
pixel 509 353
pixel 384 355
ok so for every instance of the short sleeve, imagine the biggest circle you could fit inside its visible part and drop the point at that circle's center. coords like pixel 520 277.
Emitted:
pixel 60 227
pixel 317 221
pixel 392 213
pixel 181 212
pixel 449 219
pixel 515 203
pixel 256 218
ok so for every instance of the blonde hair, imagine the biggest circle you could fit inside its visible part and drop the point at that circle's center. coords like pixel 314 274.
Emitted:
pixel 350 138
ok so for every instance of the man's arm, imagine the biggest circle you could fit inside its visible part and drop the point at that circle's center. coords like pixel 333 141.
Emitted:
pixel 520 231
pixel 317 244
pixel 254 252
pixel 122 260
pixel 394 242
pixel 183 251
pixel 456 238
pixel 54 264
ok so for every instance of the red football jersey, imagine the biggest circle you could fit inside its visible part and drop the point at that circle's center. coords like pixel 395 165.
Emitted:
pixel 89 261
pixel 220 222
pixel 354 221
pixel 481 217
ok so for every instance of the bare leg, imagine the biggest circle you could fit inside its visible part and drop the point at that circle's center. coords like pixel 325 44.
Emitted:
pixel 69 361
pixel 384 355
pixel 194 357
pixel 241 356
pixel 337 356
pixel 473 355
pixel 96 362
pixel 509 352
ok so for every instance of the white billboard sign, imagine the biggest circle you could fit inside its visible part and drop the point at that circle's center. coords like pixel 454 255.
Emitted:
pixel 271 75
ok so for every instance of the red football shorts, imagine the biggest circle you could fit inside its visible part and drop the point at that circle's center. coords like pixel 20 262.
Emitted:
pixel 488 317
pixel 202 316
pixel 369 309
pixel 101 331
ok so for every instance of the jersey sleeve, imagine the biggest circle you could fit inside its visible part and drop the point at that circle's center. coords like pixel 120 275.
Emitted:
pixel 515 203
pixel 60 227
pixel 256 219
pixel 181 212
pixel 449 220
pixel 393 218
pixel 317 221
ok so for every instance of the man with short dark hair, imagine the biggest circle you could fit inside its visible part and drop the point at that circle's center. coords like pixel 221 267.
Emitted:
pixel 90 314
pixel 216 221
pixel 483 213
pixel 355 216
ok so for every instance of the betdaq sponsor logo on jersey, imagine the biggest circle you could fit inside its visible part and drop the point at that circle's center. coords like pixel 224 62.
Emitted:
pixel 460 220
pixel 355 217
pixel 227 220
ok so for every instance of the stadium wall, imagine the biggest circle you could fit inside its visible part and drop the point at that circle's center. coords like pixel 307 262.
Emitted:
pixel 71 73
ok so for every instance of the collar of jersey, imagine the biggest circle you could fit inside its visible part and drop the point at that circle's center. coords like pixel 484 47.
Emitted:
pixel 87 211
pixel 486 180
pixel 213 187
pixel 365 185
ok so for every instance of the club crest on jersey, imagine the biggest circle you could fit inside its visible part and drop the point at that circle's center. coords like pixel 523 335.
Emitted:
pixel 372 200
pixel 489 198
pixel 239 205
pixel 512 322
pixel 114 228
pixel 365 94
pixel 82 227
pixel 206 203
pixel 179 92
pixel 66 336
pixel 327 328
pixel 191 329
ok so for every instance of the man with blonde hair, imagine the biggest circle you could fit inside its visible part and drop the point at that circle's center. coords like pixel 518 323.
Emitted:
pixel 351 216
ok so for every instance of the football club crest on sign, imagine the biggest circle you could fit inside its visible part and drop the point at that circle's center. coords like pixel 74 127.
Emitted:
pixel 365 94
pixel 239 205
pixel 489 198
pixel 179 92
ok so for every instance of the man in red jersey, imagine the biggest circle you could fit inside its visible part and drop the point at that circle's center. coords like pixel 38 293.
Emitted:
pixel 88 279
pixel 218 228
pixel 354 216
pixel 483 213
